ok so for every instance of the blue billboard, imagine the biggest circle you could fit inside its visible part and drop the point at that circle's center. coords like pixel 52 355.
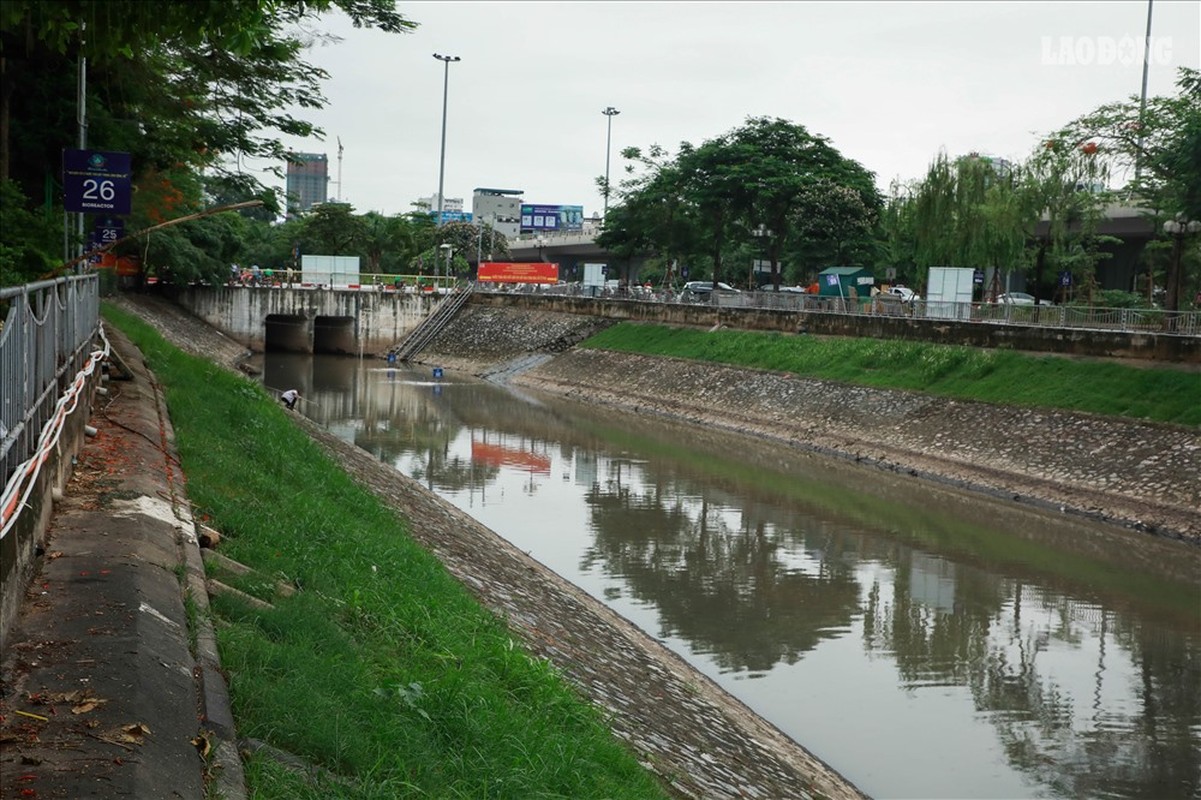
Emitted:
pixel 452 216
pixel 539 219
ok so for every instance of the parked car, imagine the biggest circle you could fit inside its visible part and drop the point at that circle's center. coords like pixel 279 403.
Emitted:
pixel 905 294
pixel 705 287
pixel 1021 299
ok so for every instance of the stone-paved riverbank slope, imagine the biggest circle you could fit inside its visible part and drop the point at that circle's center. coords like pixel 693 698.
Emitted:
pixel 1141 475
pixel 700 740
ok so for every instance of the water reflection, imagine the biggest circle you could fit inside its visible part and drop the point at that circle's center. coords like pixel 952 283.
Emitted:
pixel 925 642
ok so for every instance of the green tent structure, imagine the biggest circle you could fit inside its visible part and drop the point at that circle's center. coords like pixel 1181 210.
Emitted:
pixel 838 282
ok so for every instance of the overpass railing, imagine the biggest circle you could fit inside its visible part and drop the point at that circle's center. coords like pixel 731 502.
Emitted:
pixel 1174 323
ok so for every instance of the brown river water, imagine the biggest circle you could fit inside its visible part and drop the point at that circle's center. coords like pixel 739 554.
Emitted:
pixel 924 642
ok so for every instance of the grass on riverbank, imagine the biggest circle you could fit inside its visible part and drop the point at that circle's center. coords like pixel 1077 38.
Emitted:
pixel 969 373
pixel 382 670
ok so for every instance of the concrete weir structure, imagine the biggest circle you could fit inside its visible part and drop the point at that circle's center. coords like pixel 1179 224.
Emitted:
pixel 309 320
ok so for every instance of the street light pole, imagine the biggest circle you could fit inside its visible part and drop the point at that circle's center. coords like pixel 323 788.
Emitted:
pixel 1178 229
pixel 761 234
pixel 609 112
pixel 447 254
pixel 1142 105
pixel 446 60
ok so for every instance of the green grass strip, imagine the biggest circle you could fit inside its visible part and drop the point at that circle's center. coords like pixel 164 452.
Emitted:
pixel 968 373
pixel 383 671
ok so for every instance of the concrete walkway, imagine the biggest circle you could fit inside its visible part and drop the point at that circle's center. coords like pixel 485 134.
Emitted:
pixel 100 694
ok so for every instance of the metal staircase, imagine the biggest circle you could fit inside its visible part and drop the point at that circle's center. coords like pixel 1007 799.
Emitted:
pixel 425 333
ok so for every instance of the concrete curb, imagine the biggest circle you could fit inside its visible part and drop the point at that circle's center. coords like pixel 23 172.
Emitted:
pixel 228 780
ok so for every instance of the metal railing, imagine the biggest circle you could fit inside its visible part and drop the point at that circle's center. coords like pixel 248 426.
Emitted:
pixel 1173 323
pixel 354 281
pixel 45 336
pixel 424 333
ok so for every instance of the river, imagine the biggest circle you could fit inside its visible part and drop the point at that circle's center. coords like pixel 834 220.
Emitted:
pixel 924 642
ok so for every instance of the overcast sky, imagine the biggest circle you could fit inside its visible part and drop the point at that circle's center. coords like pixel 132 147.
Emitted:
pixel 889 84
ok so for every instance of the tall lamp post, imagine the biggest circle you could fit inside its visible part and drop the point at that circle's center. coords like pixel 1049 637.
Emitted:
pixel 761 233
pixel 609 112
pixel 447 254
pixel 446 61
pixel 1178 230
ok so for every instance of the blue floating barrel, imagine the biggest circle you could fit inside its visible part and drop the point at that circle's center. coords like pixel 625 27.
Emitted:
pixel 438 372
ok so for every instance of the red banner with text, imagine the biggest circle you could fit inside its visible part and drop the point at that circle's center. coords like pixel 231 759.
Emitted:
pixel 517 272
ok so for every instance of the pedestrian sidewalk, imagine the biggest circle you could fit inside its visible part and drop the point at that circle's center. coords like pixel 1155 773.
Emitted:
pixel 101 694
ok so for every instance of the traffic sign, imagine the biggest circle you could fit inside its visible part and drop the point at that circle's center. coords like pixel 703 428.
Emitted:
pixel 1065 278
pixel 96 181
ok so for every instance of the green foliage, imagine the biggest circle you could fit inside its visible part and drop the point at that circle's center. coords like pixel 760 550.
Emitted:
pixel 199 250
pixel 187 88
pixel 1118 298
pixel 382 671
pixel 814 204
pixel 333 229
pixel 29 239
pixel 993 376
pixel 1161 146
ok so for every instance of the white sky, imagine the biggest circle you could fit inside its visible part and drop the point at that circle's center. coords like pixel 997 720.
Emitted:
pixel 890 84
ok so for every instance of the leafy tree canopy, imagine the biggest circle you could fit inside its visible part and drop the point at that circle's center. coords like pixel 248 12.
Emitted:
pixel 184 86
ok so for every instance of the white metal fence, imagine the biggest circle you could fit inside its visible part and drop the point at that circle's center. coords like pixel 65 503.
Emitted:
pixel 46 330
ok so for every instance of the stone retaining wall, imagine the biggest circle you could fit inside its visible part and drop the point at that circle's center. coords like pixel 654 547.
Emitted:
pixel 1138 474
pixel 1136 345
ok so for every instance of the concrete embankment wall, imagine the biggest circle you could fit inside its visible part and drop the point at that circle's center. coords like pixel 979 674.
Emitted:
pixel 1079 342
pixel 371 320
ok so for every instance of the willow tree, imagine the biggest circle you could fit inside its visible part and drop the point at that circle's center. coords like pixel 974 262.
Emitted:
pixel 1061 194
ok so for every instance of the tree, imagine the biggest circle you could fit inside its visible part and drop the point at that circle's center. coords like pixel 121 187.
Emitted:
pixel 195 85
pixel 795 182
pixel 1058 188
pixel 653 215
pixel 28 238
pixel 709 198
pixel 1161 148
pixel 983 213
pixel 332 229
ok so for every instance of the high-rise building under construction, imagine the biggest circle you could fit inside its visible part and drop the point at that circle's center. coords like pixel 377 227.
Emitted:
pixel 308 181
